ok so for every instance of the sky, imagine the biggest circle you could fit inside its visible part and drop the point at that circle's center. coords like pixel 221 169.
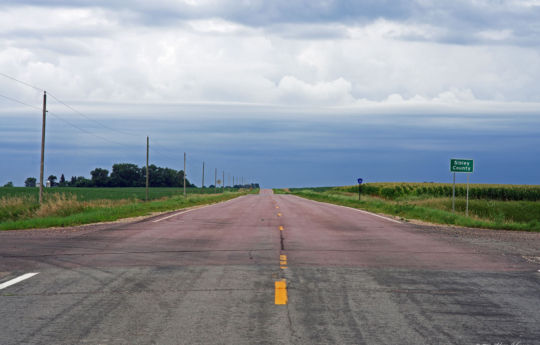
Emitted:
pixel 283 93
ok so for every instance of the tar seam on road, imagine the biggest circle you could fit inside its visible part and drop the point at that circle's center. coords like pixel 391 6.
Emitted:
pixel 17 280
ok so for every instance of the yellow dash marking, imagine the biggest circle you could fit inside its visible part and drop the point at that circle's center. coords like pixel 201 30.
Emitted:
pixel 279 214
pixel 283 262
pixel 284 267
pixel 281 227
pixel 283 257
pixel 281 292
pixel 277 207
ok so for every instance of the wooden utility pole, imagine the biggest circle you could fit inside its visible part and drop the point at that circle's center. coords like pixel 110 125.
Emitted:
pixel 42 148
pixel 184 174
pixel 202 186
pixel 215 181
pixel 223 184
pixel 147 155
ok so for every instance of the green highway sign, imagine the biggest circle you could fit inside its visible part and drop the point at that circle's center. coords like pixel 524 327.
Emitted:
pixel 461 165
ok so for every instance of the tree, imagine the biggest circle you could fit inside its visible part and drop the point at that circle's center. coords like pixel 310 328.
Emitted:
pixel 100 177
pixel 73 181
pixel 30 182
pixel 52 179
pixel 127 175
pixel 9 184
pixel 62 182
pixel 81 181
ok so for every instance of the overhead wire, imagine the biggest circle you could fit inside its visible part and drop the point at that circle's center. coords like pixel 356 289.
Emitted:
pixel 190 167
pixel 20 102
pixel 22 82
pixel 87 117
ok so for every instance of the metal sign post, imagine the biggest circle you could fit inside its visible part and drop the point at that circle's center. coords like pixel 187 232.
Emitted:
pixel 454 194
pixel 360 187
pixel 461 166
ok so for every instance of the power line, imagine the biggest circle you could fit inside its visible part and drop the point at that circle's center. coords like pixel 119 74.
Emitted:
pixel 63 103
pixel 194 160
pixel 22 82
pixel 85 131
pixel 61 119
pixel 20 102
pixel 87 117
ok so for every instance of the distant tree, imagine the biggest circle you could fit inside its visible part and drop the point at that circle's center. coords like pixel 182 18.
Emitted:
pixel 30 182
pixel 127 175
pixel 52 179
pixel 100 177
pixel 180 179
pixel 9 184
pixel 62 182
pixel 72 182
pixel 81 181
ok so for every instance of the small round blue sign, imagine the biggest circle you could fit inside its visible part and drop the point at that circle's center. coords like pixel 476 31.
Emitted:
pixel 360 181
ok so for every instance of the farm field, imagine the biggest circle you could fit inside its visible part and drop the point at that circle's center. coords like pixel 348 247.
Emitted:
pixel 19 207
pixel 511 207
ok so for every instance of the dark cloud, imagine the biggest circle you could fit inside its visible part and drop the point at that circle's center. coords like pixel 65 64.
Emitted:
pixel 462 22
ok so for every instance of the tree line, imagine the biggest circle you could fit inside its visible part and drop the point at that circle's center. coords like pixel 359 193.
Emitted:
pixel 122 175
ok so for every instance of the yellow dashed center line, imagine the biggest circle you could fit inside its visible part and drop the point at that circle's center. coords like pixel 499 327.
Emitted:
pixel 281 228
pixel 279 214
pixel 283 261
pixel 281 292
pixel 277 207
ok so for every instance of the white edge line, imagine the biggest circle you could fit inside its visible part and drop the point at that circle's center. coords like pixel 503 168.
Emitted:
pixel 193 209
pixel 17 280
pixel 356 209
pixel 174 215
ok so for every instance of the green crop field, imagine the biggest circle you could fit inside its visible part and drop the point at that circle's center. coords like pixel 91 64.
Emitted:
pixel 512 207
pixel 19 207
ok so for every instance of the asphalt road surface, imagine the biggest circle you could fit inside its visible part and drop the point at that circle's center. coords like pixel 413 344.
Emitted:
pixel 269 269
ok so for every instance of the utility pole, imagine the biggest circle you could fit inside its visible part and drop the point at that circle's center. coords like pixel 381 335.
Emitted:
pixel 184 174
pixel 42 148
pixel 223 183
pixel 215 181
pixel 202 175
pixel 147 155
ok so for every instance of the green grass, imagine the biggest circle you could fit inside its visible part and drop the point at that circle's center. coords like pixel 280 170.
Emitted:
pixel 87 194
pixel 490 214
pixel 77 206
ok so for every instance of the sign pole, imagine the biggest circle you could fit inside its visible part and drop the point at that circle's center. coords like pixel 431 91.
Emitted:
pixel 454 194
pixel 467 204
pixel 461 166
pixel 359 187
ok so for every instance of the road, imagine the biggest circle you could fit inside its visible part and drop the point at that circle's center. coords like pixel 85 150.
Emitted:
pixel 269 269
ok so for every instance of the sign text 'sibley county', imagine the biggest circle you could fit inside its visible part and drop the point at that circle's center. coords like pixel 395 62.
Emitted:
pixel 461 165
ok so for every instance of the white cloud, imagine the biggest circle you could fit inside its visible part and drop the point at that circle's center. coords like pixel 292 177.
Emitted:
pixel 336 92
pixel 94 54
pixel 495 35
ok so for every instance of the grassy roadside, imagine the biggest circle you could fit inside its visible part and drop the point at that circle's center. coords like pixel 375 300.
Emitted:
pixel 61 210
pixel 489 214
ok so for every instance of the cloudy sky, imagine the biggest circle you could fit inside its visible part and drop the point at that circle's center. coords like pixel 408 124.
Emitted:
pixel 287 93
